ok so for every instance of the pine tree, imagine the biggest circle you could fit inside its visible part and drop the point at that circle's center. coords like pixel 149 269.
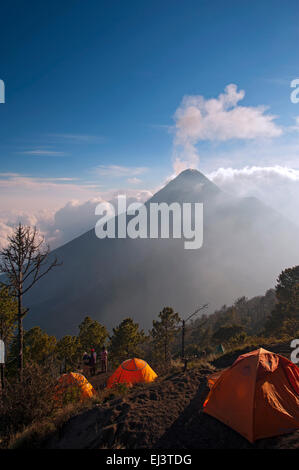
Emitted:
pixel 8 316
pixel 38 345
pixel 24 262
pixel 286 311
pixel 68 350
pixel 92 335
pixel 164 331
pixel 226 333
pixel 125 340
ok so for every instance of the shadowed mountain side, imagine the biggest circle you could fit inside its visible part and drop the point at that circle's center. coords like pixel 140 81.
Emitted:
pixel 246 245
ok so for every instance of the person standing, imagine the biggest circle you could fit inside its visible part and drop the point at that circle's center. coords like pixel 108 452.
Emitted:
pixel 86 360
pixel 92 362
pixel 104 359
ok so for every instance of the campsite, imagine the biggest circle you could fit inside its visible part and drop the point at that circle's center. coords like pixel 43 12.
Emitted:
pixel 165 414
pixel 132 407
pixel 149 230
pixel 223 380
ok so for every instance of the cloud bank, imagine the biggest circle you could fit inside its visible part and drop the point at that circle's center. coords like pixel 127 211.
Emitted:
pixel 277 186
pixel 217 119
pixel 68 222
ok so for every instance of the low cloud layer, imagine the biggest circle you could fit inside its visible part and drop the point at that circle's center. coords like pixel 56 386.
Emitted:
pixel 276 186
pixel 27 193
pixel 68 222
pixel 217 119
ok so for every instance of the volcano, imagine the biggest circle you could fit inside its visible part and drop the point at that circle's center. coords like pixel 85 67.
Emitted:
pixel 246 244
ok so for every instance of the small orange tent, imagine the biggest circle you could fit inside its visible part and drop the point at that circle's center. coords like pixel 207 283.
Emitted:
pixel 132 371
pixel 258 396
pixel 73 386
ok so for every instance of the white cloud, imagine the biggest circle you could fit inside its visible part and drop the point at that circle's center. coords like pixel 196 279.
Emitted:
pixel 134 180
pixel 5 231
pixel 296 126
pixel 14 180
pixel 277 186
pixel 43 153
pixel 10 219
pixel 71 220
pixel 118 171
pixel 33 193
pixel 78 138
pixel 217 119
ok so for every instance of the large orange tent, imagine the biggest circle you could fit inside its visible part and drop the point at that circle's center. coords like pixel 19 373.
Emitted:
pixel 73 386
pixel 132 371
pixel 258 396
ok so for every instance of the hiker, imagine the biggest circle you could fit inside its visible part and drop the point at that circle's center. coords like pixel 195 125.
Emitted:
pixel 86 359
pixel 92 362
pixel 104 359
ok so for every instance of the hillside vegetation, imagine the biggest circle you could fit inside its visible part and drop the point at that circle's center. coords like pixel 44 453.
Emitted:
pixel 149 415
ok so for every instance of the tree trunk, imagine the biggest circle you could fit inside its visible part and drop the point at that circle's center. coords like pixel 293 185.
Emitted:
pixel 20 338
pixel 183 340
pixel 166 346
pixel 2 377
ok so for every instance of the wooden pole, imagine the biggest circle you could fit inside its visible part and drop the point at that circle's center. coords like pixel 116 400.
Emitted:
pixel 183 339
pixel 2 361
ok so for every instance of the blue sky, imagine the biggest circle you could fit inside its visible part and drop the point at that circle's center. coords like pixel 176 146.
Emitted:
pixel 92 88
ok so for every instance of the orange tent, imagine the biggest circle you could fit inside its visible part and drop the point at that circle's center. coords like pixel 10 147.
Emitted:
pixel 73 386
pixel 132 371
pixel 258 396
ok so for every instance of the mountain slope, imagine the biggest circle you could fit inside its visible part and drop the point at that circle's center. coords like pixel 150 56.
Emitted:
pixel 246 245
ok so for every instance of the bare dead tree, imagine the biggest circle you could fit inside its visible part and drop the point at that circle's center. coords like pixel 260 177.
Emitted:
pixel 23 263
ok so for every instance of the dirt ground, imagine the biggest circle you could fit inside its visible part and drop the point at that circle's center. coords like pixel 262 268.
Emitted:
pixel 166 414
pixel 196 430
pixel 99 380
